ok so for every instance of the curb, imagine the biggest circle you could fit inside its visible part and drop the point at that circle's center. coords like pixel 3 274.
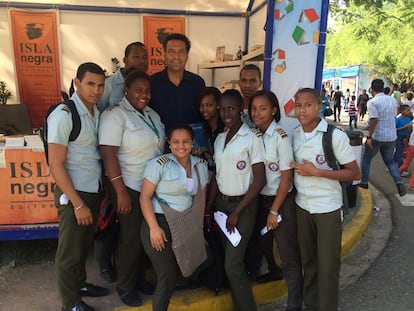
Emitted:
pixel 206 300
pixel 353 231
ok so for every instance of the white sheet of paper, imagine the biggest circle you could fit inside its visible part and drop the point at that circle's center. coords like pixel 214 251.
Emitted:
pixel 221 219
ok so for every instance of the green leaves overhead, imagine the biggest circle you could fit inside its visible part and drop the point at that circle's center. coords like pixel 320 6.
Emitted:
pixel 373 32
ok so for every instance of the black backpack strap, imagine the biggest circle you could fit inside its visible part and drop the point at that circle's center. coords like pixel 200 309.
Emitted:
pixel 333 163
pixel 328 149
pixel 76 121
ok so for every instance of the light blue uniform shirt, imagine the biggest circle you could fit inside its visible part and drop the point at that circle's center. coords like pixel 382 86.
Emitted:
pixel 82 160
pixel 170 180
pixel 319 194
pixel 383 108
pixel 279 154
pixel 140 138
pixel 114 90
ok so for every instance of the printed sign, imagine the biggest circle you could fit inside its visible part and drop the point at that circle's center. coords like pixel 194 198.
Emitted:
pixel 26 192
pixel 36 54
pixel 155 30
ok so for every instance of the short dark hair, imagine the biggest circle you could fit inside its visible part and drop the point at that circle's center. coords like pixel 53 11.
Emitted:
pixel 129 47
pixel 179 126
pixel 134 75
pixel 311 91
pixel 234 94
pixel 252 67
pixel 387 90
pixel 88 67
pixel 271 97
pixel 377 85
pixel 177 36
pixel 207 91
pixel 410 96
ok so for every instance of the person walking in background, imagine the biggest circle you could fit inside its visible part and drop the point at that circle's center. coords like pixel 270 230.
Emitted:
pixel 337 96
pixel 173 184
pixel 278 198
pixel 409 158
pixel 409 102
pixel 382 135
pixel 362 104
pixel 319 201
pixel 352 113
pixel 347 96
pixel 240 176
pixel 396 93
pixel 130 134
pixel 325 104
pixel 403 124
pixel 76 168
pixel 175 90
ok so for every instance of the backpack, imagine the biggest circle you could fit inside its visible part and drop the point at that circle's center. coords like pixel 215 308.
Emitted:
pixel 107 221
pixel 76 124
pixel 334 164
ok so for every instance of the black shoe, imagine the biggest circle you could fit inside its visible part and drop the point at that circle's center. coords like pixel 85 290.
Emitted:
pixel 269 277
pixel 252 276
pixel 81 306
pixel 90 290
pixel 130 298
pixel 145 287
pixel 108 274
pixel 363 185
pixel 401 190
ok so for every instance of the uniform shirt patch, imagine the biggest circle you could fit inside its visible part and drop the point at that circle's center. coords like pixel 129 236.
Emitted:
pixel 241 165
pixel 320 159
pixel 273 167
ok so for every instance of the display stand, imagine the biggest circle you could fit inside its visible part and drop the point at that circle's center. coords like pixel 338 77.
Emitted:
pixel 256 55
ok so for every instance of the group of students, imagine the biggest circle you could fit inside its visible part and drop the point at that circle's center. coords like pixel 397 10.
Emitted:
pixel 161 193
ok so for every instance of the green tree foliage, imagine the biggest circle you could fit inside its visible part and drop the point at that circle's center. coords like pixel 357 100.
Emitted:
pixel 373 32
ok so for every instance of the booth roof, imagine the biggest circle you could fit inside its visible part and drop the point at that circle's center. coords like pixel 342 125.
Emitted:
pixel 186 5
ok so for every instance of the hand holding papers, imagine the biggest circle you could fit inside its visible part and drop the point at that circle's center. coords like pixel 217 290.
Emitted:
pixel 233 237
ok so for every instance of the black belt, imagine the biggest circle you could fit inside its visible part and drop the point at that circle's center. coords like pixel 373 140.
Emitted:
pixel 267 197
pixel 272 197
pixel 231 199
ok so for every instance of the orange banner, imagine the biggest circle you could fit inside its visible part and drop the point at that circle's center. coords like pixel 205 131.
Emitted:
pixel 26 191
pixel 155 30
pixel 36 54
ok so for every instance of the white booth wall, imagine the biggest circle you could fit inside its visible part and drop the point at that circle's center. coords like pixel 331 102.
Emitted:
pixel 100 36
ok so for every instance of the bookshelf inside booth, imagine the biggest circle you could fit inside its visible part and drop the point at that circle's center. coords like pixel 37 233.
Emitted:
pixel 255 55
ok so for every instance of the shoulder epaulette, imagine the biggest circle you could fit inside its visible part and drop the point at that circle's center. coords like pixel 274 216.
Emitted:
pixel 204 161
pixel 163 160
pixel 66 108
pixel 113 106
pixel 281 132
pixel 256 131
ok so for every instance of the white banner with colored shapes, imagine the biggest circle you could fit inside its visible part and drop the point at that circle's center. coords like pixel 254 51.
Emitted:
pixel 294 53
